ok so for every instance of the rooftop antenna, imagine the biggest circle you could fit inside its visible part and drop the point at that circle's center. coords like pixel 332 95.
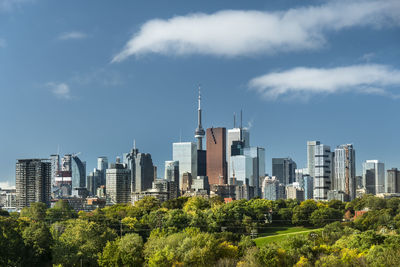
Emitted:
pixel 134 144
pixel 234 119
pixel 58 149
pixel 241 125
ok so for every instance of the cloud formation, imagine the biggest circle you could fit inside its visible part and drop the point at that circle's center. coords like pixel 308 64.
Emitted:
pixel 236 33
pixel 304 82
pixel 60 90
pixel 72 35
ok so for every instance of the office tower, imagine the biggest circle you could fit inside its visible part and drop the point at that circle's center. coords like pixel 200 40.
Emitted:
pixel 118 187
pixel 241 169
pixel 155 172
pixel 32 182
pixel 216 156
pixel 272 190
pixel 142 169
pixel 78 173
pixel 374 177
pixel 66 163
pixel 392 183
pixel 323 171
pixel 293 191
pixel 345 171
pixel 311 156
pixel 258 156
pixel 172 171
pixel 284 170
pixel 93 181
pixel 55 167
pixel 300 173
pixel 308 185
pixel 102 165
pixel 186 181
pixel 186 154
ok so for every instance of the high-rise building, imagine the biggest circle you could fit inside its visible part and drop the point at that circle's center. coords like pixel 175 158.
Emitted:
pixel 199 135
pixel 216 156
pixel 345 171
pixel 272 189
pixel 293 191
pixel 392 183
pixel 78 174
pixel 102 165
pixel 374 177
pixel 284 170
pixel 234 135
pixel 32 182
pixel 308 186
pixel 93 181
pixel 323 171
pixel 172 171
pixel 118 188
pixel 66 163
pixel 311 157
pixel 142 169
pixel 186 154
pixel 258 157
pixel 241 169
pixel 55 167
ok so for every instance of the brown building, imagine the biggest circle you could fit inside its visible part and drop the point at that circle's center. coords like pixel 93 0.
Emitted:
pixel 216 156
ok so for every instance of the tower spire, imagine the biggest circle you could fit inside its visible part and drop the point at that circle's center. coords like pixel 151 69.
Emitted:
pixel 199 133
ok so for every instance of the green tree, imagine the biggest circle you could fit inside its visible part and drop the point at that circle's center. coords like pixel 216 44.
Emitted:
pixel 125 251
pixel 195 204
pixel 302 213
pixel 61 211
pixel 12 247
pixel 324 216
pixel 38 240
pixel 79 241
pixel 36 212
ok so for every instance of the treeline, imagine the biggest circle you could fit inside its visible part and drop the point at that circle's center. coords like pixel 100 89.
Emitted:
pixel 203 232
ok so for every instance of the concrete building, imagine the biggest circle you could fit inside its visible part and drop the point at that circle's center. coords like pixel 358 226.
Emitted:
pixel 293 191
pixel 284 170
pixel 186 154
pixel 55 167
pixel 273 190
pixel 308 186
pixel 311 157
pixel 345 171
pixel 323 171
pixel 118 188
pixel 392 183
pixel 32 182
pixel 216 156
pixel 102 165
pixel 142 169
pixel 337 195
pixel 374 177
pixel 93 181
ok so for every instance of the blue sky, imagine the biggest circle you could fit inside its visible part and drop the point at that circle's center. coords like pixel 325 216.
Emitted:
pixel 91 76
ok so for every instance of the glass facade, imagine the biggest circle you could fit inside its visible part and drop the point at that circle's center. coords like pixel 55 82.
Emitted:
pixel 186 154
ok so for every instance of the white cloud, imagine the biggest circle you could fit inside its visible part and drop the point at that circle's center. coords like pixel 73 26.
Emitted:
pixel 72 35
pixel 60 90
pixel 235 33
pixel 304 82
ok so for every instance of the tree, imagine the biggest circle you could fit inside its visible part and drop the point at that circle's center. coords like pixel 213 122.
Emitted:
pixel 12 248
pixel 79 241
pixel 302 213
pixel 36 212
pixel 125 251
pixel 195 204
pixel 324 216
pixel 61 211
pixel 38 240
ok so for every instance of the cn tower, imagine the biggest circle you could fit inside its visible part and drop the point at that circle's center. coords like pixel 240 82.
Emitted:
pixel 199 133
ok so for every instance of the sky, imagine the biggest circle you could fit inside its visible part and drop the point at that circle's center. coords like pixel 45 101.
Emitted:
pixel 92 76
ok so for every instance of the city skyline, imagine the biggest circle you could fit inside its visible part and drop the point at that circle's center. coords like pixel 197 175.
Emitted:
pixel 66 87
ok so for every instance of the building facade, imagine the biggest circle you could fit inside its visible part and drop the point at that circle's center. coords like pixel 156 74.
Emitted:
pixel 186 154
pixel 284 170
pixel 216 156
pixel 392 183
pixel 345 171
pixel 323 171
pixel 32 182
pixel 311 157
pixel 374 177
pixel 118 188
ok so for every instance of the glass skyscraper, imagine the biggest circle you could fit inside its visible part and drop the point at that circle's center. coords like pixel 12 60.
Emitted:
pixel 186 154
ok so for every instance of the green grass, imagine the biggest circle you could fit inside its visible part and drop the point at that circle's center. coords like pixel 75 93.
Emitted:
pixel 277 234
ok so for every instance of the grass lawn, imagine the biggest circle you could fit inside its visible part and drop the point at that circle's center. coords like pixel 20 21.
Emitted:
pixel 277 234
